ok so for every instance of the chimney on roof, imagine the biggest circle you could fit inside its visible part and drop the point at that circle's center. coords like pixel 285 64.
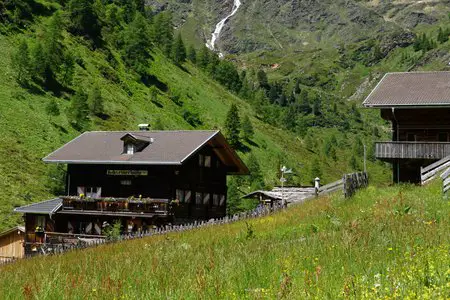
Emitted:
pixel 144 127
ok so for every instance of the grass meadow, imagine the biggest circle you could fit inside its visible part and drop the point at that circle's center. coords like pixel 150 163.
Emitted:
pixel 388 243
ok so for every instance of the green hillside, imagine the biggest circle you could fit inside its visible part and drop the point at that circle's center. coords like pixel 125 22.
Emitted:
pixel 52 68
pixel 383 243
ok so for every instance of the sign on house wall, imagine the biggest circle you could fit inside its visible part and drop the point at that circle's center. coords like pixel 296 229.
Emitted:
pixel 127 172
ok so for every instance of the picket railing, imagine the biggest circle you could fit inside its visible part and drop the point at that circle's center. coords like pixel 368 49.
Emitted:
pixel 349 184
pixel 430 172
pixel 67 244
pixel 7 259
pixel 446 182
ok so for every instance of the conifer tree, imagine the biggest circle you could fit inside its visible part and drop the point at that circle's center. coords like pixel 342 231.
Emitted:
pixel 137 44
pixel 21 60
pixel 233 126
pixel 178 51
pixel 79 111
pixel 96 101
pixel 162 32
pixel 192 54
pixel 247 129
pixel 442 35
pixel 262 79
pixel 52 108
pixel 203 57
pixel 84 20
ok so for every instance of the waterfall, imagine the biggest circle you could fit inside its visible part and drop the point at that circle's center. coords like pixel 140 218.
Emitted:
pixel 215 35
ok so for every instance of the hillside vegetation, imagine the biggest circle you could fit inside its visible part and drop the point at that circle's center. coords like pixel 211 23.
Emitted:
pixel 382 243
pixel 71 66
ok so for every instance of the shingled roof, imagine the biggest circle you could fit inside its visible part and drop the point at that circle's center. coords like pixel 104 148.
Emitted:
pixel 413 89
pixel 44 207
pixel 165 148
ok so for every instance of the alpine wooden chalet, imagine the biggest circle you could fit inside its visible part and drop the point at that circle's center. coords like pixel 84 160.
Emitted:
pixel 139 178
pixel 418 106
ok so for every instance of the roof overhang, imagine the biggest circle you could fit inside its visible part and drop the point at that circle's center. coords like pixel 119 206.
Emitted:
pixel 410 90
pixel 11 230
pixel 111 162
pixel 48 207
pixel 408 106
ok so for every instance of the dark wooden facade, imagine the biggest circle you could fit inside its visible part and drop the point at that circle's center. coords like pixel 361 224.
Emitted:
pixel 199 185
pixel 138 179
pixel 420 136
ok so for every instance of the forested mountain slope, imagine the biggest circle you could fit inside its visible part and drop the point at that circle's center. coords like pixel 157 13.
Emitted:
pixel 71 66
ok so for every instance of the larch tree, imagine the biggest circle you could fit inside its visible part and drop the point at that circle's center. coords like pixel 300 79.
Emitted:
pixel 178 51
pixel 233 126
pixel 247 129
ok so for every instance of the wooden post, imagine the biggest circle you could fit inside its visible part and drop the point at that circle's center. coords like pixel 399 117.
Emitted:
pixel 316 185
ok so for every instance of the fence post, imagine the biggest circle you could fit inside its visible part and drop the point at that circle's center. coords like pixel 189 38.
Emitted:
pixel 316 185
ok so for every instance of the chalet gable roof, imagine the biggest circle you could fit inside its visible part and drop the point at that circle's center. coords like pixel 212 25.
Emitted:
pixel 165 148
pixel 411 89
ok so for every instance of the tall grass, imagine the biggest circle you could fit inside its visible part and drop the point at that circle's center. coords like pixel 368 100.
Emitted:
pixel 382 243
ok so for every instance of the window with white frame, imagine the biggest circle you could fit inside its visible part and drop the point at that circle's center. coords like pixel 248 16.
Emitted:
pixel 207 163
pixel 94 192
pixel 222 200
pixel 180 195
pixel 131 148
pixel 187 196
pixel 198 198
pixel 206 198
pixel 216 199
pixel 201 160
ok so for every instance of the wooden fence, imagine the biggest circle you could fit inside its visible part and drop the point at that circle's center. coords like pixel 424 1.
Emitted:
pixel 349 184
pixel 7 260
pixel 446 182
pixel 65 244
pixel 430 172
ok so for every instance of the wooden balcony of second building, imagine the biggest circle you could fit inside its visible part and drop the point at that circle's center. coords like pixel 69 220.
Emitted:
pixel 116 206
pixel 411 150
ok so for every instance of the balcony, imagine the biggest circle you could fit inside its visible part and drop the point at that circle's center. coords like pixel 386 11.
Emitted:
pixel 115 206
pixel 411 150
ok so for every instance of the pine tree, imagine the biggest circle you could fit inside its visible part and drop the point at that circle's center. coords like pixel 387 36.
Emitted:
pixel 233 126
pixel 192 54
pixel 96 101
pixel 52 108
pixel 79 111
pixel 203 57
pixel 162 32
pixel 137 44
pixel 21 61
pixel 178 51
pixel 263 82
pixel 377 54
pixel 84 20
pixel 442 35
pixel 297 88
pixel 247 129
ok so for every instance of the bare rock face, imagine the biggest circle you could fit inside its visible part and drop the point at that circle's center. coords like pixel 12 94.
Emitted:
pixel 262 25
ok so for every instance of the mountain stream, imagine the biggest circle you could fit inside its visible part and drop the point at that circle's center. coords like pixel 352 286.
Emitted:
pixel 215 35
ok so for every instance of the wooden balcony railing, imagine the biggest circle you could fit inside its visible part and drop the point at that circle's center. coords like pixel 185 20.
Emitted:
pixel 419 150
pixel 120 205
